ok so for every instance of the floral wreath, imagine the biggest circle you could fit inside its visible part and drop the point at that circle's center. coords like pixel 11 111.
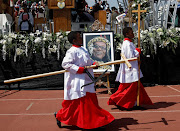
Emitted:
pixel 61 4
pixel 97 39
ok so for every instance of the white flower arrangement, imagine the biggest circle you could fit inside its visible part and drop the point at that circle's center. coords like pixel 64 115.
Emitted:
pixel 152 39
pixel 57 43
pixel 34 42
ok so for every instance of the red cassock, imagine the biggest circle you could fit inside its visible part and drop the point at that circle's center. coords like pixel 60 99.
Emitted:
pixel 84 112
pixel 126 96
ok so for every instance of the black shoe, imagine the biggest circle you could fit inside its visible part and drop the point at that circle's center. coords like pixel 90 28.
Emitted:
pixel 58 122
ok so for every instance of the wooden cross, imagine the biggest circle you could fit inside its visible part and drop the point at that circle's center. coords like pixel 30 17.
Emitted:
pixel 139 11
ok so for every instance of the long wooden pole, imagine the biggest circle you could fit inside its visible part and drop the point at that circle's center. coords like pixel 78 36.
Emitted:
pixel 63 71
pixel 139 23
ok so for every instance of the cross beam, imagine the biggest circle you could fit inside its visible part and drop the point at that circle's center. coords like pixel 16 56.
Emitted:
pixel 139 11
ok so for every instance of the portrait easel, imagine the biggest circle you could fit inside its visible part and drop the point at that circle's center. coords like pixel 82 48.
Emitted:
pixel 100 82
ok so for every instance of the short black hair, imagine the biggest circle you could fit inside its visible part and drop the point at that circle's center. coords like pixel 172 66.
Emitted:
pixel 126 30
pixel 72 35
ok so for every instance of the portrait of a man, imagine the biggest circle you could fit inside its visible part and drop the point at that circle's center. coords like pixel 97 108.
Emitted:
pixel 100 48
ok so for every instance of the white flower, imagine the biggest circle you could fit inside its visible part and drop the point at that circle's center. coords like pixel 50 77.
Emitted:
pixel 4 42
pixel 134 5
pixel 31 34
pixel 142 36
pixel 153 29
pixel 44 39
pixel 52 49
pixel 145 40
pixel 44 34
pixel 152 40
pixel 161 33
pixel 61 37
pixel 10 39
pixel 37 32
pixel 146 31
pixel 67 32
pixel 50 39
pixel 12 35
pixel 119 46
pixel 1 41
pixel 177 29
pixel 58 40
pixel 15 36
pixel 161 8
pixel 4 48
pixel 19 51
pixel 65 37
pixel 150 34
pixel 23 41
pixel 21 37
pixel 37 40
pixel 58 34
pixel 165 43
pixel 159 30
pixel 5 36
pixel 170 31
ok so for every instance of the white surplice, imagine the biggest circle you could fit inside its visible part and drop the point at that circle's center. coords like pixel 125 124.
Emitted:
pixel 76 57
pixel 125 74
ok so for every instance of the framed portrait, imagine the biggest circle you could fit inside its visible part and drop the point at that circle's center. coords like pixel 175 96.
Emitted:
pixel 100 48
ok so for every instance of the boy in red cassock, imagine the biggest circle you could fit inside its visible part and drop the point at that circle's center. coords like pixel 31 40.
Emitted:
pixel 126 95
pixel 80 106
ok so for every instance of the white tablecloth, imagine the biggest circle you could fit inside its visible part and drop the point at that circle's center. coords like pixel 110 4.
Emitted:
pixel 5 18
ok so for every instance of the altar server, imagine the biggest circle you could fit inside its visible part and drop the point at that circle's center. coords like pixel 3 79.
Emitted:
pixel 80 106
pixel 126 95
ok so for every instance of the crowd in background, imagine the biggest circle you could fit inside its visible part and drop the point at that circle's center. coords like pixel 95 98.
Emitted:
pixel 37 9
pixel 85 13
pixel 81 13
